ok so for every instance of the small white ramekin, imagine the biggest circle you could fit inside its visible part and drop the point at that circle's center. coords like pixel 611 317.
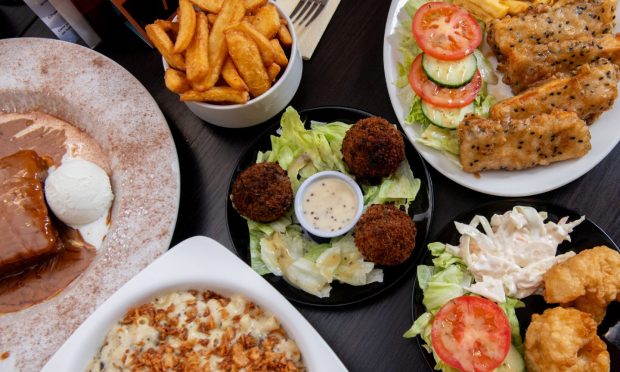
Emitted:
pixel 315 178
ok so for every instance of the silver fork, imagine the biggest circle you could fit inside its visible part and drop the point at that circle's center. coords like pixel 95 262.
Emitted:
pixel 307 11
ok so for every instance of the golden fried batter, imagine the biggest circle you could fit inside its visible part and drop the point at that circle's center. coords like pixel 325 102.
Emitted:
pixel 588 281
pixel 564 340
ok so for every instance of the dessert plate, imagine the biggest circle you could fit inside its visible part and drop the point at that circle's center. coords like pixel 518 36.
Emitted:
pixel 526 182
pixel 101 98
pixel 203 264
pixel 341 294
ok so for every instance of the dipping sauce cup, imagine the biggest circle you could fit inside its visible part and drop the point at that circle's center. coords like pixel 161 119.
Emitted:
pixel 328 204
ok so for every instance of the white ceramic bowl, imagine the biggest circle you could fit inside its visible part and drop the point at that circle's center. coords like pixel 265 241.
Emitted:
pixel 263 107
pixel 203 264
pixel 316 178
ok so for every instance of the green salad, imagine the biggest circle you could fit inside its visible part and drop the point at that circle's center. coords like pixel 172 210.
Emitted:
pixel 438 124
pixel 281 248
pixel 447 280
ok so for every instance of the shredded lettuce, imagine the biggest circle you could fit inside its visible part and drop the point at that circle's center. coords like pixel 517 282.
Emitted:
pixel 441 139
pixel 509 308
pixel 281 248
pixel 399 188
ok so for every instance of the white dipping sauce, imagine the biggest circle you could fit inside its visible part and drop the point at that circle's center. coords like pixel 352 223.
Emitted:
pixel 329 204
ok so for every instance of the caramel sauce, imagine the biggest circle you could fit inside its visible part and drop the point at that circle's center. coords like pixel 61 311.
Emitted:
pixel 39 255
pixel 49 277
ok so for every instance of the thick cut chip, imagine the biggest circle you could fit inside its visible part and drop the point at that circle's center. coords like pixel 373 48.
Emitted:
pixel 187 26
pixel 245 55
pixel 273 70
pixel 197 54
pixel 285 36
pixel 232 77
pixel 264 46
pixel 217 95
pixel 267 20
pixel 231 14
pixel 162 42
pixel 212 6
pixel 176 81
pixel 279 53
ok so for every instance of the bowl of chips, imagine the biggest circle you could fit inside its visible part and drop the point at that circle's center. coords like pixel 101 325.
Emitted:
pixel 235 63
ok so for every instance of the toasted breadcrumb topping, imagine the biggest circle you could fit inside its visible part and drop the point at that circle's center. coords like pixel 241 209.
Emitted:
pixel 197 331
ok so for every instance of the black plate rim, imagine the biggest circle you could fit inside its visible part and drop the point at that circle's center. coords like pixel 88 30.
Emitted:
pixel 271 128
pixel 459 217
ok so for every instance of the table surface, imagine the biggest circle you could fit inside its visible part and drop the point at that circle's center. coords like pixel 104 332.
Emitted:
pixel 346 69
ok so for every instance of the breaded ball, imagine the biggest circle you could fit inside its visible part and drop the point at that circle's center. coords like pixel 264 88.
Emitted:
pixel 385 235
pixel 262 192
pixel 372 149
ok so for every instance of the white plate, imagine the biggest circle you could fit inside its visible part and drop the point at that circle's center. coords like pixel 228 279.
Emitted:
pixel 605 136
pixel 203 264
pixel 100 97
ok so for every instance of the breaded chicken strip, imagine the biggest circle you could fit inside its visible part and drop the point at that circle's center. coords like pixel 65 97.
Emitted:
pixel 487 144
pixel 589 91
pixel 588 281
pixel 564 340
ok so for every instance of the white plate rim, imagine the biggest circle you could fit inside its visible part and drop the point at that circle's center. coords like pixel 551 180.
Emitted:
pixel 61 78
pixel 527 182
pixel 196 263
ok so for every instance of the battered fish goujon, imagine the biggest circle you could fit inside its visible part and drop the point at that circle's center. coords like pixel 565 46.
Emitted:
pixel 589 91
pixel 487 144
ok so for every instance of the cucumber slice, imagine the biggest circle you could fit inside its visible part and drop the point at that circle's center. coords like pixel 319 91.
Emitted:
pixel 451 74
pixel 448 118
pixel 513 362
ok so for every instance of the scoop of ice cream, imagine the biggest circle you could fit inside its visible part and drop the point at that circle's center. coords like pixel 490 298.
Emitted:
pixel 78 192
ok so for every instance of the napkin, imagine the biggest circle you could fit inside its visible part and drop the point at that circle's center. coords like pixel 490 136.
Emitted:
pixel 309 36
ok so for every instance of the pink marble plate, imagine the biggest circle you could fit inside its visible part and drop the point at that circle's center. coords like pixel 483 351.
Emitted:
pixel 100 97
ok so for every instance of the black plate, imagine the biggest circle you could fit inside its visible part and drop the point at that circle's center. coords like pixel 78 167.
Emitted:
pixel 586 235
pixel 341 294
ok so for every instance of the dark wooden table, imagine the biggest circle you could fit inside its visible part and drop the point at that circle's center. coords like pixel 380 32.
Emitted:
pixel 346 69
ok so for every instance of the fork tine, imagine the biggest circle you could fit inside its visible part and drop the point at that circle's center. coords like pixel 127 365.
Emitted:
pixel 318 11
pixel 303 11
pixel 298 8
pixel 310 12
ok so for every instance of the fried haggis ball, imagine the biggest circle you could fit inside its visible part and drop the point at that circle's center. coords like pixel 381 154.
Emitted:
pixel 372 149
pixel 588 281
pixel 564 339
pixel 385 235
pixel 262 192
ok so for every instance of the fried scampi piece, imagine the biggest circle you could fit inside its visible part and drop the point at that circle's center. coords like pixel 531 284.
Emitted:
pixel 589 91
pixel 543 24
pixel 527 64
pixel 588 281
pixel 564 340
pixel 487 144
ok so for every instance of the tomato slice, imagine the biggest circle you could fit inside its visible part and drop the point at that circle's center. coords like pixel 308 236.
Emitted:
pixel 471 333
pixel 438 95
pixel 446 31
